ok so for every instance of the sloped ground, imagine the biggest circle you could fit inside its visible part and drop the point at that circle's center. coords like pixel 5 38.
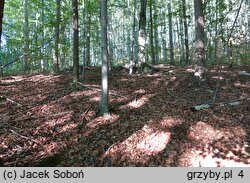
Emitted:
pixel 151 123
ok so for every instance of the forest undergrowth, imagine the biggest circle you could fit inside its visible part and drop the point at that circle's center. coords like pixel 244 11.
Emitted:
pixel 46 120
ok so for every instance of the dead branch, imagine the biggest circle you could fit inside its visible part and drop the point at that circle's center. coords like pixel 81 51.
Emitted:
pixel 11 101
pixel 244 73
pixel 221 104
pixel 24 137
pixel 38 117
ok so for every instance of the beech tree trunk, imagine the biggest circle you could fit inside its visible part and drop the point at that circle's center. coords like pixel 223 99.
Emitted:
pixel 171 44
pixel 152 33
pixel 200 39
pixel 103 108
pixel 142 36
pixel 184 8
pixel 75 40
pixel 26 37
pixel 58 19
pixel 132 59
pixel 156 38
pixel 1 17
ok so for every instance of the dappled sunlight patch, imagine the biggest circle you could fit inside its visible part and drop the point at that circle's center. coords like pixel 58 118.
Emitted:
pixel 239 84
pixel 218 77
pixel 237 131
pixel 140 146
pixel 40 77
pixel 103 121
pixel 154 143
pixel 137 103
pixel 12 79
pixel 194 157
pixel 141 91
pixel 51 148
pixel 68 127
pixel 168 122
pixel 202 131
pixel 190 70
pixel 95 99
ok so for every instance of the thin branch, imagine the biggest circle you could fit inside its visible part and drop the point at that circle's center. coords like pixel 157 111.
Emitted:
pixel 38 117
pixel 11 101
pixel 24 137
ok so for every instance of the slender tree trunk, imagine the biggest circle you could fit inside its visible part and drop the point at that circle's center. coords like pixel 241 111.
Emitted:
pixel 1 17
pixel 88 62
pixel 229 42
pixel 164 30
pixel 142 35
pixel 200 39
pixel 58 20
pixel 134 45
pixel 75 40
pixel 26 37
pixel 156 38
pixel 182 45
pixel 171 44
pixel 110 41
pixel 104 109
pixel 83 40
pixel 216 34
pixel 42 48
pixel 184 8
pixel 152 33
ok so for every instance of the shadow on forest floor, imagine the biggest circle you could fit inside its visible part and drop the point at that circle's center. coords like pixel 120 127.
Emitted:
pixel 151 122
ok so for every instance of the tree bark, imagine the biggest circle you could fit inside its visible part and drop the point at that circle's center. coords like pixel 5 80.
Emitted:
pixel 1 17
pixel 164 30
pixel 75 41
pixel 88 61
pixel 42 48
pixel 103 108
pixel 26 37
pixel 58 20
pixel 156 38
pixel 171 44
pixel 142 35
pixel 200 39
pixel 152 33
pixel 132 59
pixel 184 8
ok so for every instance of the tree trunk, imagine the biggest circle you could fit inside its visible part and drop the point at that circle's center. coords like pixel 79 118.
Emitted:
pixel 156 38
pixel 164 30
pixel 88 62
pixel 83 40
pixel 103 108
pixel 132 59
pixel 1 17
pixel 171 44
pixel 42 48
pixel 152 33
pixel 58 20
pixel 75 40
pixel 110 45
pixel 142 36
pixel 200 39
pixel 184 8
pixel 26 37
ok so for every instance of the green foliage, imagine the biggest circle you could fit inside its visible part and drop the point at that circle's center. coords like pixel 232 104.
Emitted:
pixel 219 16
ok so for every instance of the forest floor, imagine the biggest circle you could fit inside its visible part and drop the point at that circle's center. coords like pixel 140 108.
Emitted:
pixel 46 120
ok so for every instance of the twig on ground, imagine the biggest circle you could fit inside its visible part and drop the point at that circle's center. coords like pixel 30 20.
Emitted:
pixel 11 101
pixel 24 137
pixel 44 116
